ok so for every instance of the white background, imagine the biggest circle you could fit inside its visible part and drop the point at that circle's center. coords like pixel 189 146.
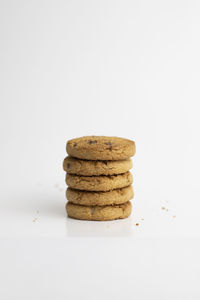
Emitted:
pixel 122 68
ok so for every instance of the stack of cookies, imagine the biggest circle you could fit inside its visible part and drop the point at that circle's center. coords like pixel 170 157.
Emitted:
pixel 98 178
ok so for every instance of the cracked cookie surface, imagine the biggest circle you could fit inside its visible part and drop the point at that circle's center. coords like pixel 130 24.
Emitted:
pixel 117 196
pixel 99 213
pixel 96 167
pixel 99 183
pixel 101 148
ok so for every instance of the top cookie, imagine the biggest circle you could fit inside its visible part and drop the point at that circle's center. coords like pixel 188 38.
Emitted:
pixel 101 148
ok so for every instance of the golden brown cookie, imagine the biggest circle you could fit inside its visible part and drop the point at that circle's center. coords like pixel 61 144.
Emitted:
pixel 101 148
pixel 117 196
pixel 96 167
pixel 99 213
pixel 99 183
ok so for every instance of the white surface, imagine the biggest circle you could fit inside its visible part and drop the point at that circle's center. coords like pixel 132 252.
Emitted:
pixel 100 269
pixel 124 68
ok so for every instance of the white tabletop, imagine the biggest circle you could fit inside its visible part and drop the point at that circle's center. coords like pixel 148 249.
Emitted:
pixel 46 254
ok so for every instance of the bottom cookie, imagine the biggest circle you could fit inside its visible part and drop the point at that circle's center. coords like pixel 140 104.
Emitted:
pixel 99 213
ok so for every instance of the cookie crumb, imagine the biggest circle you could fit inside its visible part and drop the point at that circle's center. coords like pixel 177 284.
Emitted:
pixel 163 208
pixel 142 219
pixel 137 224
pixel 61 190
pixel 56 185
pixel 35 219
pixel 174 217
pixel 37 211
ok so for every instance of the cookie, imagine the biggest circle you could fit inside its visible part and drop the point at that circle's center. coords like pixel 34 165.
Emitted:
pixel 96 167
pixel 99 183
pixel 101 148
pixel 99 213
pixel 117 196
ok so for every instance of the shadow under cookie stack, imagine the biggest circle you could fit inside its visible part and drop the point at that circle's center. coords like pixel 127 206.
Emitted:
pixel 98 178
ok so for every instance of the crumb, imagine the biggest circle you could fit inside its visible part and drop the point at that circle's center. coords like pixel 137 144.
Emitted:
pixel 37 211
pixel 137 224
pixel 61 190
pixel 56 185
pixel 142 219
pixel 164 208
pixel 35 219
pixel 174 217
pixel 167 201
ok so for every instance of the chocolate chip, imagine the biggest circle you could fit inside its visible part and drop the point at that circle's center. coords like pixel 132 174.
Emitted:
pixel 92 142
pixel 68 165
pixel 110 145
pixel 75 144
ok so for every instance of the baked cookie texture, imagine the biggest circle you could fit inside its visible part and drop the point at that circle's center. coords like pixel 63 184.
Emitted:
pixel 96 167
pixel 98 178
pixel 101 148
pixel 117 196
pixel 99 213
pixel 99 183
